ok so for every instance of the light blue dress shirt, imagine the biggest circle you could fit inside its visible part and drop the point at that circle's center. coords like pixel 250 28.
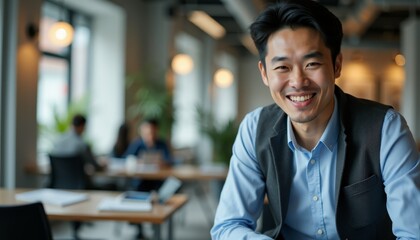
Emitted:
pixel 311 210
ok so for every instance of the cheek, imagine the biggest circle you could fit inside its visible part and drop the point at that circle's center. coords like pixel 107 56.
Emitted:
pixel 276 83
pixel 323 79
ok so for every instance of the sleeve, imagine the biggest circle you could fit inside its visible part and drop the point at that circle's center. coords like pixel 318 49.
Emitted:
pixel 401 173
pixel 166 153
pixel 242 196
pixel 133 149
pixel 90 158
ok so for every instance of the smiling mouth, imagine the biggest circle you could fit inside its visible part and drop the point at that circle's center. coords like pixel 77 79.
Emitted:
pixel 302 98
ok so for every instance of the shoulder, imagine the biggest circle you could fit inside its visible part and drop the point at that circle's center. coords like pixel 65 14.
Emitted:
pixel 359 111
pixel 161 142
pixel 250 121
pixel 136 142
pixel 353 104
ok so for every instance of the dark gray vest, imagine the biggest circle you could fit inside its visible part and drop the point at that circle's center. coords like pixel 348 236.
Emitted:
pixel 361 201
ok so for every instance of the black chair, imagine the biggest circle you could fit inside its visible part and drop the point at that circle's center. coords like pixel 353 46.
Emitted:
pixel 67 172
pixel 27 221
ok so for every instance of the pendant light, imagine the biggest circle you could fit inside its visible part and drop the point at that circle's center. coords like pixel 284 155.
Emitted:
pixel 182 64
pixel 223 78
pixel 61 33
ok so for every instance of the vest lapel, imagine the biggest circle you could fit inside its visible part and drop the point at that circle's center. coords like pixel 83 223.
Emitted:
pixel 283 164
pixel 341 152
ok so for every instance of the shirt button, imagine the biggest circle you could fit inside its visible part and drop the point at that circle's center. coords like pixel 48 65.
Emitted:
pixel 320 231
pixel 312 161
pixel 315 198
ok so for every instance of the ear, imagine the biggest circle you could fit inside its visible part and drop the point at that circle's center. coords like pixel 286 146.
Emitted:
pixel 338 65
pixel 263 73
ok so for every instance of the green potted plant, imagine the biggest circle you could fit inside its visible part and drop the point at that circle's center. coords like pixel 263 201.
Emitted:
pixel 151 99
pixel 222 136
pixel 61 123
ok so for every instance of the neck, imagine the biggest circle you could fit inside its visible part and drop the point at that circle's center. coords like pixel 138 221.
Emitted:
pixel 307 136
pixel 308 133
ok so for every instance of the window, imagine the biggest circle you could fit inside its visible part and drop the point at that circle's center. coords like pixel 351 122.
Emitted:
pixel 63 71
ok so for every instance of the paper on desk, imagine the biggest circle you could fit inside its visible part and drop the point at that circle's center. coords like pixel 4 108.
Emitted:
pixel 52 196
pixel 115 204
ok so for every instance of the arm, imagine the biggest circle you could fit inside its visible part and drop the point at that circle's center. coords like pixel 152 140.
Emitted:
pixel 91 159
pixel 166 152
pixel 242 196
pixel 400 167
pixel 132 149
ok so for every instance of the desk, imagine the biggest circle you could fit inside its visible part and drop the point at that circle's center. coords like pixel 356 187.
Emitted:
pixel 186 173
pixel 87 210
pixel 182 172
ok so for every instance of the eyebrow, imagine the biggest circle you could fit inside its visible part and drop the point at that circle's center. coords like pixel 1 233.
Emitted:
pixel 315 54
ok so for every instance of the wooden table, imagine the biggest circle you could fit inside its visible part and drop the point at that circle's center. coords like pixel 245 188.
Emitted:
pixel 186 173
pixel 115 169
pixel 87 210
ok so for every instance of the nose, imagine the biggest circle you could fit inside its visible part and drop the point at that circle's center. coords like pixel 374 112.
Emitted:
pixel 298 78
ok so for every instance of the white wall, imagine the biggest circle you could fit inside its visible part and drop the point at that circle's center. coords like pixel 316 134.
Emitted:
pixel 185 131
pixel 251 90
pixel 106 110
pixel 225 100
pixel 411 97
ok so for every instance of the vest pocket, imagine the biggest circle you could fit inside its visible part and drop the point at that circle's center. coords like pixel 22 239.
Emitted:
pixel 363 202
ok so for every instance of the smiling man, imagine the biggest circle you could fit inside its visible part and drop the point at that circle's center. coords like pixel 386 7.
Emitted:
pixel 332 166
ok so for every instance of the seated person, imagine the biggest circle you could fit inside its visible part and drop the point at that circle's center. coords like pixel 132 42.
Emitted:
pixel 149 148
pixel 122 142
pixel 72 143
pixel 149 144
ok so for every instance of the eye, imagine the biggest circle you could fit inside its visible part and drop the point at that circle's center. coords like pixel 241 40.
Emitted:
pixel 281 68
pixel 313 65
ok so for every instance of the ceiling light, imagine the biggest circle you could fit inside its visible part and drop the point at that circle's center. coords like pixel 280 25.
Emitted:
pixel 223 78
pixel 182 64
pixel 207 24
pixel 61 34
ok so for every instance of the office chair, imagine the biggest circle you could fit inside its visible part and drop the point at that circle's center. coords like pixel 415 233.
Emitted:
pixel 27 221
pixel 68 172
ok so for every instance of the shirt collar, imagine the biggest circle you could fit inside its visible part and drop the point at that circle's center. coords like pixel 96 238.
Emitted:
pixel 328 138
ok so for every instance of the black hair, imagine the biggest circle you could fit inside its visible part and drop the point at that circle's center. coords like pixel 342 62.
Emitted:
pixel 297 13
pixel 151 121
pixel 123 140
pixel 78 120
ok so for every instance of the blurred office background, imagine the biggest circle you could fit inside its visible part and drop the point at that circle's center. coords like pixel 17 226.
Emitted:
pixel 116 41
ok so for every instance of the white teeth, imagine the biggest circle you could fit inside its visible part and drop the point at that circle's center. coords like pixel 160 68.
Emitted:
pixel 300 98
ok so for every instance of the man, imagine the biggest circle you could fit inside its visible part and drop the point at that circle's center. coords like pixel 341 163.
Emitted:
pixel 330 165
pixel 72 143
pixel 149 146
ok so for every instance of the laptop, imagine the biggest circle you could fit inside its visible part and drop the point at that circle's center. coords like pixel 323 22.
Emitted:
pixel 168 189
pixel 165 192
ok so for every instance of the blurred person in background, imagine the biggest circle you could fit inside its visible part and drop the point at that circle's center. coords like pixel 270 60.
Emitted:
pixel 148 148
pixel 122 142
pixel 72 143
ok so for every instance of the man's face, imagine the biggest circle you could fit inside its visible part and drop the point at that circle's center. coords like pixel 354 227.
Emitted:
pixel 300 74
pixel 79 129
pixel 148 133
